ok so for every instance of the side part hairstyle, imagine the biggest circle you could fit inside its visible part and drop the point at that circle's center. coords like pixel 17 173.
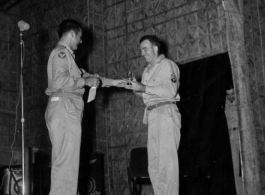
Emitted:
pixel 154 40
pixel 68 25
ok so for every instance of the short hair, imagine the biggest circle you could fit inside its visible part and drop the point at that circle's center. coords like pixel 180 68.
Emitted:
pixel 68 25
pixel 154 40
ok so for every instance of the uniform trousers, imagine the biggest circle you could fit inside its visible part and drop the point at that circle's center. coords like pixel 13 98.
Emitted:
pixel 63 118
pixel 163 140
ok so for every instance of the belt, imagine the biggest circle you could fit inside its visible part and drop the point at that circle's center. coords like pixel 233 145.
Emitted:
pixel 149 108
pixel 64 95
pixel 67 93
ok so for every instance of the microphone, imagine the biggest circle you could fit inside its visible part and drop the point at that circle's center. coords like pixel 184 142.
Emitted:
pixel 23 25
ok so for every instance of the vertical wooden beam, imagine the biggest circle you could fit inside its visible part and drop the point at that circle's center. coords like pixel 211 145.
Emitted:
pixel 237 53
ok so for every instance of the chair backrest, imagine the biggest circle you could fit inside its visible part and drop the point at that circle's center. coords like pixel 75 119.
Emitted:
pixel 139 162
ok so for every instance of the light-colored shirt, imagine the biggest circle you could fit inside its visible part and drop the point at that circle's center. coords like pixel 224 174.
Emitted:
pixel 106 82
pixel 162 81
pixel 63 73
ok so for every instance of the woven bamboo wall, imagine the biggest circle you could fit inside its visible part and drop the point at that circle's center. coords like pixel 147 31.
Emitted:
pixel 9 69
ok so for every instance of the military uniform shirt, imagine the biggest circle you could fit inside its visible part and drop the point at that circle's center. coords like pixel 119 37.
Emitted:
pixel 162 81
pixel 63 73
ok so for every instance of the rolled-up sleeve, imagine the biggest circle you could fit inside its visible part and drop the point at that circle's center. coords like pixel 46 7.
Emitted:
pixel 61 78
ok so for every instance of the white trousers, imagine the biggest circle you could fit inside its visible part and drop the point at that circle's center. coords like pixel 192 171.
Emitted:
pixel 63 118
pixel 163 140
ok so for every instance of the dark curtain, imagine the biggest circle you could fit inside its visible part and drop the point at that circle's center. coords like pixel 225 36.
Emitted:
pixel 205 153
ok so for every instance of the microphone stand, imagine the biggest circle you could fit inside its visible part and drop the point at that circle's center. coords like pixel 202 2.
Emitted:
pixel 22 111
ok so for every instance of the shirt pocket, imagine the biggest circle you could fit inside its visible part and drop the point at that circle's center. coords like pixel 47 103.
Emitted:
pixel 154 81
pixel 74 71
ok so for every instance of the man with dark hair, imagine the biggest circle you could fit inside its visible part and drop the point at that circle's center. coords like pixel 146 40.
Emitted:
pixel 154 40
pixel 65 107
pixel 159 86
pixel 68 25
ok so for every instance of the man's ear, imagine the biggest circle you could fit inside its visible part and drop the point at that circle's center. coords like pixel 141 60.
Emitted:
pixel 156 49
pixel 72 33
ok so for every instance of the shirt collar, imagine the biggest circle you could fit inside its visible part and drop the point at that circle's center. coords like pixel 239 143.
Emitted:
pixel 68 48
pixel 158 60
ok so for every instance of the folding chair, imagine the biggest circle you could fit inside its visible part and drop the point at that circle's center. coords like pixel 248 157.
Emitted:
pixel 138 170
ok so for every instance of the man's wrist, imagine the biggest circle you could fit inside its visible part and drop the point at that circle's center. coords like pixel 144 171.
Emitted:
pixel 84 82
pixel 144 88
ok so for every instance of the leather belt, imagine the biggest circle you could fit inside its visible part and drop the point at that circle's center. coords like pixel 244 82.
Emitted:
pixel 63 94
pixel 69 93
pixel 149 108
pixel 75 93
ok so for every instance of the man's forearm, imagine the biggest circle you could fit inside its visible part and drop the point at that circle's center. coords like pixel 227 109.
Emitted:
pixel 143 88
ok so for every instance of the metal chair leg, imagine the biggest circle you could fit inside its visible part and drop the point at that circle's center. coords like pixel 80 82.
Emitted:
pixel 134 187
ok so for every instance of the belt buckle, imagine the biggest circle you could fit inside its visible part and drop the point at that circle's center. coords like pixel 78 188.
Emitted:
pixel 149 108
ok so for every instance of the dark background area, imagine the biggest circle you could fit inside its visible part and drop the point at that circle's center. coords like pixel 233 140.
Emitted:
pixel 205 153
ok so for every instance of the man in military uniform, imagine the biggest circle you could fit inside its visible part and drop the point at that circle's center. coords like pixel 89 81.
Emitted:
pixel 159 86
pixel 65 107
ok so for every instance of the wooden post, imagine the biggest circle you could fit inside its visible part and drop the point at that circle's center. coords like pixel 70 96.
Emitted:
pixel 247 132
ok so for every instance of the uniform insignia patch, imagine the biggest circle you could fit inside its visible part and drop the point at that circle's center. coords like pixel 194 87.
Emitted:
pixel 61 55
pixel 173 78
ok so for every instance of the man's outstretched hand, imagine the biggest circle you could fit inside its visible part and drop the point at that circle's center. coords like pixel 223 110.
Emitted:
pixel 119 82
pixel 135 86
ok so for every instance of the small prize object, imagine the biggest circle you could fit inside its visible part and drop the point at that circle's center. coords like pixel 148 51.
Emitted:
pixel 130 77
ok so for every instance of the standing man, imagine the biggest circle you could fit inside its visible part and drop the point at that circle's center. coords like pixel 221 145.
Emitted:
pixel 159 86
pixel 65 107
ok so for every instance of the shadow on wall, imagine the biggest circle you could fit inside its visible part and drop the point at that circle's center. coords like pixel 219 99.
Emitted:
pixel 164 47
pixel 85 48
pixel 89 115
